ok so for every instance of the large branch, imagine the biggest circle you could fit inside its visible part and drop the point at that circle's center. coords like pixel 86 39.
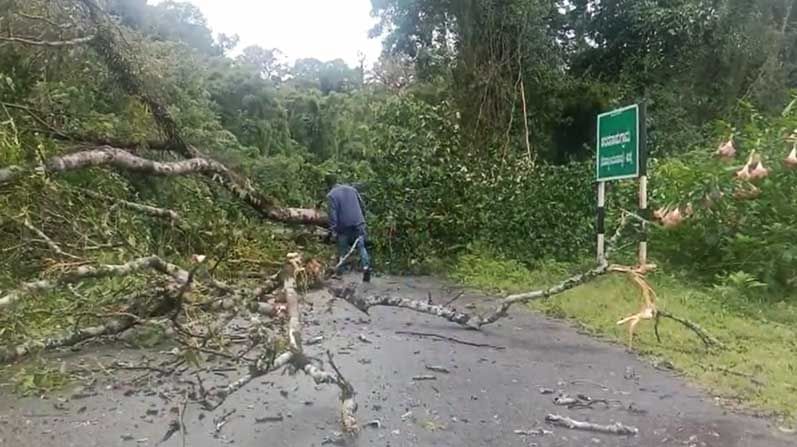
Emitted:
pixel 69 337
pixel 300 361
pixel 113 157
pixel 471 321
pixel 268 361
pixel 98 271
pixel 350 294
pixel 143 305
pixel 47 43
pixel 122 159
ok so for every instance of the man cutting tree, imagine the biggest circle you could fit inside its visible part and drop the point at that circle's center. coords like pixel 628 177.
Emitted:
pixel 347 221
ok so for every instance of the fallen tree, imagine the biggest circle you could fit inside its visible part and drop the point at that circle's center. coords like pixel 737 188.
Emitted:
pixel 107 40
pixel 164 305
pixel 280 345
pixel 107 43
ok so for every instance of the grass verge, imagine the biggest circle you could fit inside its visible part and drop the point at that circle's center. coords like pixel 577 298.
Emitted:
pixel 758 370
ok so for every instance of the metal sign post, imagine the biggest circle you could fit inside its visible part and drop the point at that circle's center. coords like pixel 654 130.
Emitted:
pixel 621 155
pixel 600 223
pixel 643 186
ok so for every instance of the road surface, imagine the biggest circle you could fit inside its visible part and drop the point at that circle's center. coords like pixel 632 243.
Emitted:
pixel 489 396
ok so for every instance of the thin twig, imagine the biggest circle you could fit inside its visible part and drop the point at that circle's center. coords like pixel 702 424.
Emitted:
pixel 451 301
pixel 44 19
pixel 452 339
pixel 526 120
pixel 221 421
pixel 707 338
pixel 37 118
pixel 146 209
pixel 50 243
pixel 181 414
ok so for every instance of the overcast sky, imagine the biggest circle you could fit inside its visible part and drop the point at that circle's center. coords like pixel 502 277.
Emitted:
pixel 323 29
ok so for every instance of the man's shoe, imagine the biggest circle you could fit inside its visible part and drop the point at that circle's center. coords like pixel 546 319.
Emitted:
pixel 367 274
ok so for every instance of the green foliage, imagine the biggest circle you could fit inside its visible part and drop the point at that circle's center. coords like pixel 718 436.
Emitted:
pixel 481 266
pixel 39 379
pixel 436 137
pixel 432 197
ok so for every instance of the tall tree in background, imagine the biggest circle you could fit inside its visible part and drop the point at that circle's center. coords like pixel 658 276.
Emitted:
pixel 497 53
pixel 267 61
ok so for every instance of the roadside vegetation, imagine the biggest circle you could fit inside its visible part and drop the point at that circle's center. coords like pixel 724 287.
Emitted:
pixel 754 373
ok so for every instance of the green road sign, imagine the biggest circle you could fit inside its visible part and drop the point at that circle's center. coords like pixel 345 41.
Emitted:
pixel 618 144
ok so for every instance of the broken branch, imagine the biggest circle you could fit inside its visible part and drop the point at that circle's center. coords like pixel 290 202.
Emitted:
pixel 98 271
pixel 163 213
pixel 612 429
pixel 141 307
pixel 707 338
pixel 294 357
pixel 452 339
pixel 47 43
pixel 364 303
pixel 67 338
pixel 300 361
pixel 50 243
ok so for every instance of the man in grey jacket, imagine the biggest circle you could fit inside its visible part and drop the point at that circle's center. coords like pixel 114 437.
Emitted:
pixel 347 221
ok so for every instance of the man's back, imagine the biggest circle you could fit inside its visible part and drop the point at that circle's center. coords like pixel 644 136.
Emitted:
pixel 345 207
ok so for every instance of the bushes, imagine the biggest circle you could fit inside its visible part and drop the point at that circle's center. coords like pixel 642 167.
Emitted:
pixel 430 196
pixel 729 234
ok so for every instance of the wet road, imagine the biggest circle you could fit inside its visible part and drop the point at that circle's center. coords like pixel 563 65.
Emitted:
pixel 488 396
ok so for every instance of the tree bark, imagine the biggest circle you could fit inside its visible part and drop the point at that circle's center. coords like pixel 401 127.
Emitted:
pixel 146 304
pixel 66 338
pixel 122 159
pixel 613 429
pixel 47 43
pixel 301 362
pixel 99 271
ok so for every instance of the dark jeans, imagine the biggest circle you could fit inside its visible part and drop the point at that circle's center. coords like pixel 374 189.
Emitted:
pixel 346 239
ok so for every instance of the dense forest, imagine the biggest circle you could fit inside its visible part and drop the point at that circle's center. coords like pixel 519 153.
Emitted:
pixel 130 130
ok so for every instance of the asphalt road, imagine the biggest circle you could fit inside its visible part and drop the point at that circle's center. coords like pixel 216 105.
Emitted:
pixel 488 396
